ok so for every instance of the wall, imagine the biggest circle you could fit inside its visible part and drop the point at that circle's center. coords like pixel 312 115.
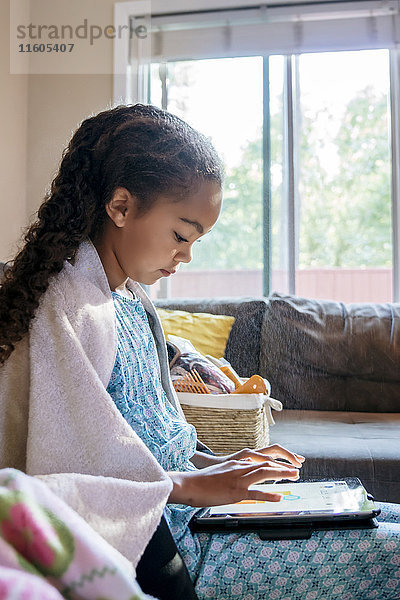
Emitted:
pixel 56 106
pixel 13 132
pixel 37 117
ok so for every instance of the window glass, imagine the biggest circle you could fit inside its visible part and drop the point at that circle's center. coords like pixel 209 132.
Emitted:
pixel 345 247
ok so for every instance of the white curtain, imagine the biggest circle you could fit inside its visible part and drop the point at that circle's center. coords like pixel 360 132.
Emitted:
pixel 274 29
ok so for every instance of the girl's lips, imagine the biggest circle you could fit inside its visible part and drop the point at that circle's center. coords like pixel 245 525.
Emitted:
pixel 167 273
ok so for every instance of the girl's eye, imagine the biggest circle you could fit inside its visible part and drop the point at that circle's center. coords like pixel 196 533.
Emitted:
pixel 179 238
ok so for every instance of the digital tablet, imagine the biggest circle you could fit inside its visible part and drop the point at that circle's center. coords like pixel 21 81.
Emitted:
pixel 306 505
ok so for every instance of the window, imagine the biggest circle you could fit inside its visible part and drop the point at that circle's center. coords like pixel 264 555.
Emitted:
pixel 310 144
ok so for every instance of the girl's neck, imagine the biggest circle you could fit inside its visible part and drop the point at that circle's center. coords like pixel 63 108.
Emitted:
pixel 116 277
pixel 124 291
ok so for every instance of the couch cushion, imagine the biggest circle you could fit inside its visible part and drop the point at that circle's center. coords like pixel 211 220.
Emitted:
pixel 243 347
pixel 345 444
pixel 208 333
pixel 326 355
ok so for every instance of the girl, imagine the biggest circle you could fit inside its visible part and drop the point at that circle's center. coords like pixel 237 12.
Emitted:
pixel 85 361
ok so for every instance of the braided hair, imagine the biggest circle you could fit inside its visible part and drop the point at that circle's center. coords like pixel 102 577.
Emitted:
pixel 141 148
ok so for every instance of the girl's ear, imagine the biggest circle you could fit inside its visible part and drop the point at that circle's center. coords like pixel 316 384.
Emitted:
pixel 121 204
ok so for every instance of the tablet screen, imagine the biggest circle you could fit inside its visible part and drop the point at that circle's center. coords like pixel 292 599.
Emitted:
pixel 304 498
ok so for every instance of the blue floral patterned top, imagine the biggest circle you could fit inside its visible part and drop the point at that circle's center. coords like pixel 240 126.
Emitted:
pixel 136 388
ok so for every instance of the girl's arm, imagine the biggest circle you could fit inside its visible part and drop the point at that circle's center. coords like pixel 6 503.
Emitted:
pixel 228 482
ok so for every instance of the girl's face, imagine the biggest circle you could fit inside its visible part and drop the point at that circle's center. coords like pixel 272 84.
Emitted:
pixel 148 247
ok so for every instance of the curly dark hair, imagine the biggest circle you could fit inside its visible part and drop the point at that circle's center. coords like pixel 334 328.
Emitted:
pixel 139 147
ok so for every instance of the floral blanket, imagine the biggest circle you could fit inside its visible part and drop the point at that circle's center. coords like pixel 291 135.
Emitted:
pixel 48 551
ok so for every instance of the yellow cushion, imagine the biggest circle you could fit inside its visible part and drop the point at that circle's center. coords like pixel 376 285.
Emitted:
pixel 208 333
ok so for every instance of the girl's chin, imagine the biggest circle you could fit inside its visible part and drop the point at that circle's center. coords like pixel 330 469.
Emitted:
pixel 150 279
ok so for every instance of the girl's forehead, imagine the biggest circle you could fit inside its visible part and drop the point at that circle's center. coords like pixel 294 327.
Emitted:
pixel 200 210
pixel 205 200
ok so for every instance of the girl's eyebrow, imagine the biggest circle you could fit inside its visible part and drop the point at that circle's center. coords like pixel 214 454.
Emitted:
pixel 195 224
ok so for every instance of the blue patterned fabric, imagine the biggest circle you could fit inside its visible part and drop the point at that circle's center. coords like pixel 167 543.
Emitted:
pixel 332 565
pixel 136 389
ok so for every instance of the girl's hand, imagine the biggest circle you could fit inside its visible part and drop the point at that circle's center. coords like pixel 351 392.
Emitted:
pixel 228 482
pixel 275 452
pixel 272 452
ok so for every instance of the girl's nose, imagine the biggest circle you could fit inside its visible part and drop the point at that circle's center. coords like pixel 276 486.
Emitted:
pixel 185 254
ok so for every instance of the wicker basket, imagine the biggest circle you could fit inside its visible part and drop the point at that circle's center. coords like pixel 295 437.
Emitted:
pixel 229 422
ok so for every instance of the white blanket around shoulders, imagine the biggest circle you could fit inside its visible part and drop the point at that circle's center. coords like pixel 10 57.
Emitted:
pixel 57 417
